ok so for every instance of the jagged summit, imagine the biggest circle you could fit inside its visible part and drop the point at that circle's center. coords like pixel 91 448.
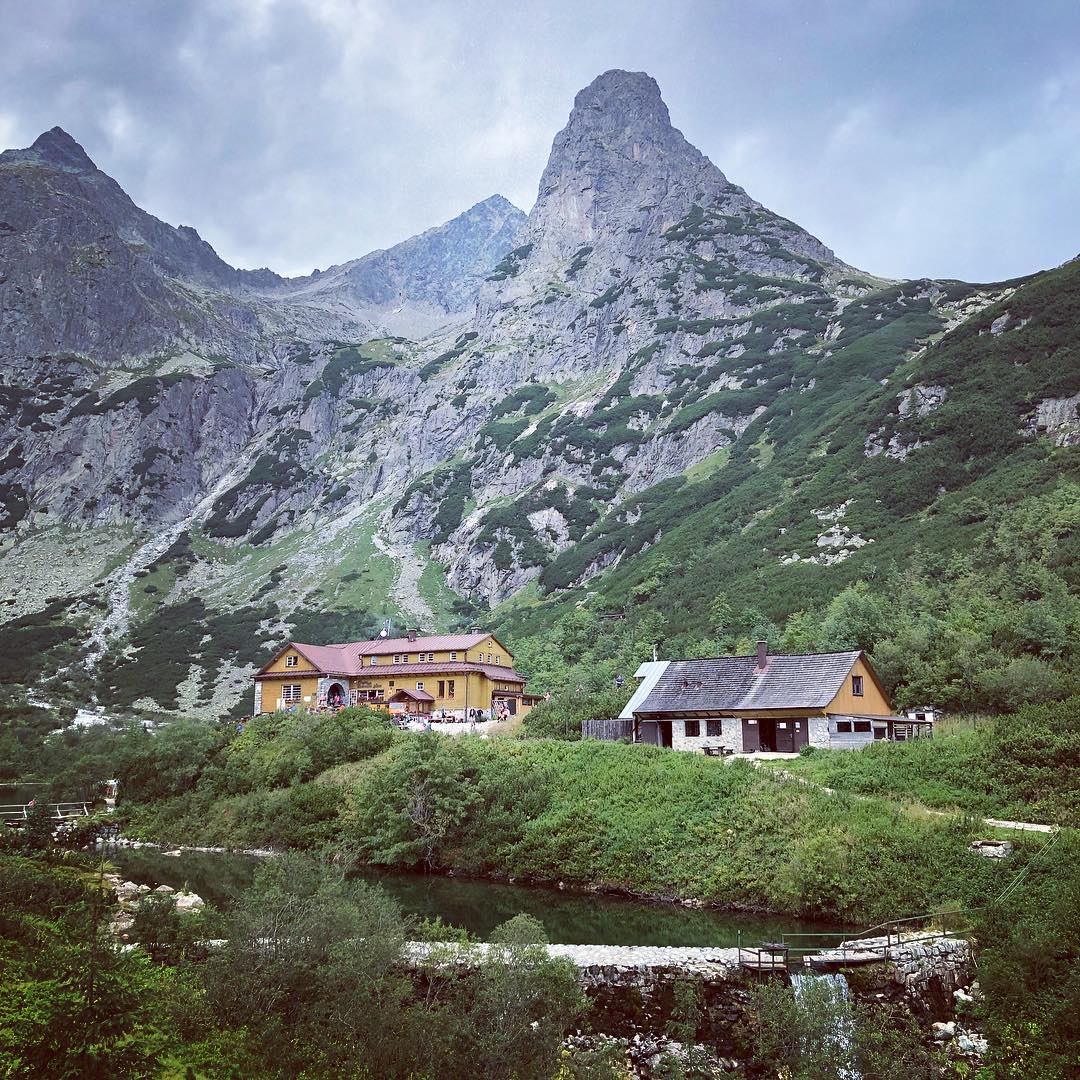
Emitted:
pixel 617 153
pixel 625 105
pixel 57 147
pixel 53 147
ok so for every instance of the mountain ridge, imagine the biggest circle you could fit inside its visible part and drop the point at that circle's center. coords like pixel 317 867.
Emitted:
pixel 654 355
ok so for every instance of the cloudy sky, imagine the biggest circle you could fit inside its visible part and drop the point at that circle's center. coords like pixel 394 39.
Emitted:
pixel 914 137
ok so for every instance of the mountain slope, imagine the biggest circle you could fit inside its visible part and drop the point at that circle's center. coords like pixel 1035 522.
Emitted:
pixel 422 283
pixel 665 403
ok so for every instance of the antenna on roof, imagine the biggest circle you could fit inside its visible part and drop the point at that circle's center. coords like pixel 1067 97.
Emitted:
pixel 385 631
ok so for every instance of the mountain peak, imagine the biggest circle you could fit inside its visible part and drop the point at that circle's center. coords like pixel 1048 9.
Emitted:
pixel 57 147
pixel 618 89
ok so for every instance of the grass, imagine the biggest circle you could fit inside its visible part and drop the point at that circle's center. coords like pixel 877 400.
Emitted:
pixel 590 814
pixel 1020 768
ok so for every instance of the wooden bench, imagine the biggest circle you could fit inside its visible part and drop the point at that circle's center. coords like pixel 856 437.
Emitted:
pixel 717 751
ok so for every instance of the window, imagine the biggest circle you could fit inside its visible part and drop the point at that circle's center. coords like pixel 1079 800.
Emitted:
pixel 498 660
pixel 431 658
pixel 712 727
pixel 453 657
pixel 442 688
pixel 863 725
pixel 391 683
pixel 353 695
pixel 489 658
pixel 405 658
pixel 290 692
pixel 856 685
pixel 420 685
pixel 880 732
pixel 692 728
pixel 397 658
pixel 843 727
pixel 373 661
pixel 450 688
pixel 290 661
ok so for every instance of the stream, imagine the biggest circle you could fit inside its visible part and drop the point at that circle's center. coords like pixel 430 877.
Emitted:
pixel 479 906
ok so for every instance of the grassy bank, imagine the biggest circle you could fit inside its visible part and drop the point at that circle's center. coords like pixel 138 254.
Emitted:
pixel 588 814
pixel 1022 767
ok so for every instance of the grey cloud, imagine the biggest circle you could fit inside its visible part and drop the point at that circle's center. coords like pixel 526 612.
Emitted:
pixel 914 139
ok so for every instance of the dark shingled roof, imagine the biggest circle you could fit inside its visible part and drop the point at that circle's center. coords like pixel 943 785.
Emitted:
pixel 735 683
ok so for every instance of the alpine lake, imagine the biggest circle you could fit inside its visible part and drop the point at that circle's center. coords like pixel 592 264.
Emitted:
pixel 479 905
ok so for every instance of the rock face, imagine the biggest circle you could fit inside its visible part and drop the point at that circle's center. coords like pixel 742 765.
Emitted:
pixel 425 282
pixel 86 271
pixel 187 449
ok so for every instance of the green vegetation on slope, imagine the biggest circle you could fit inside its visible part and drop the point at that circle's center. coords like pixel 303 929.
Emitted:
pixel 969 586
pixel 1022 767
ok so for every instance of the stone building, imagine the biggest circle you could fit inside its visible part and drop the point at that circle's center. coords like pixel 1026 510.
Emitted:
pixel 763 703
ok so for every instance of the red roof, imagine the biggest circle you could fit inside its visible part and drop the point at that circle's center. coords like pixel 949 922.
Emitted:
pixel 333 660
pixel 343 658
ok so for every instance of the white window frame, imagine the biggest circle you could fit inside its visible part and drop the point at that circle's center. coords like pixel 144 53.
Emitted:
pixel 498 660
pixel 419 684
pixel 373 661
pixel 292 660
pixel 290 693
pixel 453 657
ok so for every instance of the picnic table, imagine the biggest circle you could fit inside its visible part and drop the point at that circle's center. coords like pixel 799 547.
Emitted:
pixel 717 751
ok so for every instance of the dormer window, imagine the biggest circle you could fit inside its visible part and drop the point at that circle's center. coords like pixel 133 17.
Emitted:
pixel 453 657
pixel 291 660
pixel 373 661
pixel 857 685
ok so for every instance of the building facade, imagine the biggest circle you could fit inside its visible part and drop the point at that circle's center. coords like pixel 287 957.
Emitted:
pixel 455 674
pixel 765 704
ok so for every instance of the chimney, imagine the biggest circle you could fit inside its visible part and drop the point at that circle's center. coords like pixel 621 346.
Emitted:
pixel 762 654
pixel 412 632
pixel 476 629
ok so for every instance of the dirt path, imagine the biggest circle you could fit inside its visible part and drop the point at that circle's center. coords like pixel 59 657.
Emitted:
pixel 994 823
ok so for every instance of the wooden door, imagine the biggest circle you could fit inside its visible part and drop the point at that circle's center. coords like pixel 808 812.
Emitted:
pixel 751 737
pixel 785 736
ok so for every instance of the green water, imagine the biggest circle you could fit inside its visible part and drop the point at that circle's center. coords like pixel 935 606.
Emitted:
pixel 480 906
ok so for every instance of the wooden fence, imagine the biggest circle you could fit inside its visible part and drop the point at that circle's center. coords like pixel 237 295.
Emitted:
pixel 609 730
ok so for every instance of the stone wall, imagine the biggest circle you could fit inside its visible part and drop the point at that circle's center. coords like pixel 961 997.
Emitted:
pixel 730 735
pixel 819 732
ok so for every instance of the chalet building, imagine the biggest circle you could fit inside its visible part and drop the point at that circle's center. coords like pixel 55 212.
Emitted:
pixel 456 674
pixel 762 703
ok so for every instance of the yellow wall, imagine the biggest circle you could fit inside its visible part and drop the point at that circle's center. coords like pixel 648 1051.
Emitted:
pixel 280 665
pixel 476 696
pixel 271 692
pixel 873 701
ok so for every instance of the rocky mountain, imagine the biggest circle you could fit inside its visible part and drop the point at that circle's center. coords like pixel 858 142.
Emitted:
pixel 652 370
pixel 429 280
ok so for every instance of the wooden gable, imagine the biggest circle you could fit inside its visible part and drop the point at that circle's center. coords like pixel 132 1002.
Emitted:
pixel 874 701
pixel 281 665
